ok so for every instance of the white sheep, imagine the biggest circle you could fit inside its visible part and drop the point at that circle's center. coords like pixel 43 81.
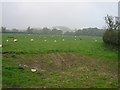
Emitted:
pixel 31 39
pixel 55 41
pixel 63 39
pixel 45 40
pixel 7 40
pixel 15 40
pixel 95 40
pixel 0 45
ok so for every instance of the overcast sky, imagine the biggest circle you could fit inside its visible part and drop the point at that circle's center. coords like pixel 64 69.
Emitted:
pixel 71 14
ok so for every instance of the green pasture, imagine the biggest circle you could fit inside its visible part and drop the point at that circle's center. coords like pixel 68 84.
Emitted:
pixel 60 61
pixel 85 46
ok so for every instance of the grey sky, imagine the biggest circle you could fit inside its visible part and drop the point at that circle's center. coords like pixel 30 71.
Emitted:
pixel 41 14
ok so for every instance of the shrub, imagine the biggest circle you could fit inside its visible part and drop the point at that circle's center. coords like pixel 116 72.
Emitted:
pixel 111 37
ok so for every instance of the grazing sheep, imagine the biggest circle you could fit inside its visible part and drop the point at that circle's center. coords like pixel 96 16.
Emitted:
pixel 95 40
pixel 55 41
pixel 45 40
pixel 7 40
pixel 15 40
pixel 31 39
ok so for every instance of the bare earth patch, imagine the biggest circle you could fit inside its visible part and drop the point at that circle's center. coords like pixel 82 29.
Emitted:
pixel 69 65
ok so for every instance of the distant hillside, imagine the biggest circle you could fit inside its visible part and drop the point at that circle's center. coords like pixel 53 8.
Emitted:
pixel 63 28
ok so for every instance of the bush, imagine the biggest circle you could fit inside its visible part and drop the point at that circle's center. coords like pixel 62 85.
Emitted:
pixel 111 37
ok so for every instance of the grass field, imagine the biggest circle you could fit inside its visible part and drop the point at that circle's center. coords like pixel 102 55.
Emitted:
pixel 60 61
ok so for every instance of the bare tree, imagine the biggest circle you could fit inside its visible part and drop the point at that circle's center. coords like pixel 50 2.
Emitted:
pixel 111 23
pixel 29 30
pixel 3 29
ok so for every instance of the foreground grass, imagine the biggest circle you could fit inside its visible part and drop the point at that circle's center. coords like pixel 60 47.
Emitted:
pixel 76 62
pixel 59 70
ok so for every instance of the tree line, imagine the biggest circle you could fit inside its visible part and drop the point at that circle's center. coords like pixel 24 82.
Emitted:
pixel 55 31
